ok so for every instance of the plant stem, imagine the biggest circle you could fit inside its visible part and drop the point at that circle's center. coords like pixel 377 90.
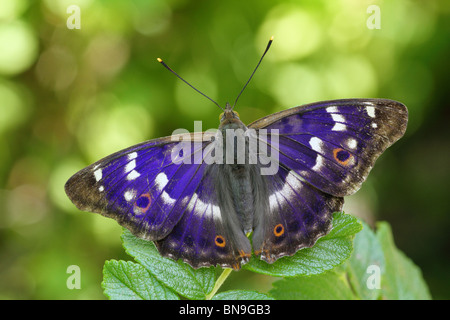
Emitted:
pixel 224 275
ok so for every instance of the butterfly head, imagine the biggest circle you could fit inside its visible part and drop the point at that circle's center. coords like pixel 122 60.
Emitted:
pixel 229 115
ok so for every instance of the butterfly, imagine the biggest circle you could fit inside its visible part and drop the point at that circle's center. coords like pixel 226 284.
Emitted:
pixel 201 196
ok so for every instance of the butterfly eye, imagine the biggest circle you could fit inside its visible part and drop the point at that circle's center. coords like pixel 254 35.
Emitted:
pixel 221 116
pixel 236 114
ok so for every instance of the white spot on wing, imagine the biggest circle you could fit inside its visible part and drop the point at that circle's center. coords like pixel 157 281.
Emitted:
pixel 167 199
pixel 339 127
pixel 371 112
pixel 98 175
pixel 161 181
pixel 132 155
pixel 196 202
pixel 374 125
pixel 338 118
pixel 130 166
pixel 101 188
pixel 216 213
pixel 292 182
pixel 273 203
pixel 332 109
pixel 316 144
pixel 200 207
pixel 129 195
pixel 133 175
pixel 319 163
pixel 352 143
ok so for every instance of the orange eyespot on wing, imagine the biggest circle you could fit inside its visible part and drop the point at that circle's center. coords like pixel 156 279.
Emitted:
pixel 220 241
pixel 342 156
pixel 278 230
pixel 143 203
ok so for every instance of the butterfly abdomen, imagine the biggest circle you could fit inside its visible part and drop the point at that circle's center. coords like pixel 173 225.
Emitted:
pixel 235 180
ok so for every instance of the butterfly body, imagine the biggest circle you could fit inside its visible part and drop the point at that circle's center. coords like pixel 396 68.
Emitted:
pixel 280 178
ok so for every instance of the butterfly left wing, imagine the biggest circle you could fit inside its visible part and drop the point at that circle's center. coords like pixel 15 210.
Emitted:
pixel 151 190
pixel 137 186
pixel 325 151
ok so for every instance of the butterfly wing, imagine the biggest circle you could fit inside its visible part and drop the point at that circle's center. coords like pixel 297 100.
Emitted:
pixel 333 145
pixel 160 192
pixel 325 151
pixel 296 214
pixel 209 233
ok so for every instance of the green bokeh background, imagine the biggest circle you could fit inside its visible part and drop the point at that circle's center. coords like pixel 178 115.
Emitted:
pixel 71 96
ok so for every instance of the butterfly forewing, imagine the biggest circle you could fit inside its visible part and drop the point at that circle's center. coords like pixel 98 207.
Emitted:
pixel 334 144
pixel 128 184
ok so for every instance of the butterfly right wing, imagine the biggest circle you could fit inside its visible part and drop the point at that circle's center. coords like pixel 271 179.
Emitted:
pixel 326 150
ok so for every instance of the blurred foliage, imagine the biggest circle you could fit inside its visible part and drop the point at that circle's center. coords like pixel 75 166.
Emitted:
pixel 71 96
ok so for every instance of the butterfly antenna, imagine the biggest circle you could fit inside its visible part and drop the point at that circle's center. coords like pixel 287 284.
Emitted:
pixel 265 51
pixel 190 85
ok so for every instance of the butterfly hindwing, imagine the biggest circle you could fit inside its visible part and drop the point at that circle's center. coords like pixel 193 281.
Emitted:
pixel 297 215
pixel 209 233
pixel 333 145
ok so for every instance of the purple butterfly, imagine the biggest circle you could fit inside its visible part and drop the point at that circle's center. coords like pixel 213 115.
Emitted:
pixel 198 198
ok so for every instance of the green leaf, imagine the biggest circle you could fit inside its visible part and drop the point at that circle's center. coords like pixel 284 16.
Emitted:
pixel 241 295
pixel 367 261
pixel 328 252
pixel 126 280
pixel 403 279
pixel 375 261
pixel 330 285
pixel 177 275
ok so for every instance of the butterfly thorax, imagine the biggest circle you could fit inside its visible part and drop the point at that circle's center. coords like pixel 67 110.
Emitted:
pixel 232 133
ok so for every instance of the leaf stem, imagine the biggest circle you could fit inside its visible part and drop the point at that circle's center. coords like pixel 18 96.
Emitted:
pixel 223 276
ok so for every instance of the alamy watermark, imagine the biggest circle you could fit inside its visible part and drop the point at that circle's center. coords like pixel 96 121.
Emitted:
pixel 74 280
pixel 74 20
pixel 374 20
pixel 374 279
